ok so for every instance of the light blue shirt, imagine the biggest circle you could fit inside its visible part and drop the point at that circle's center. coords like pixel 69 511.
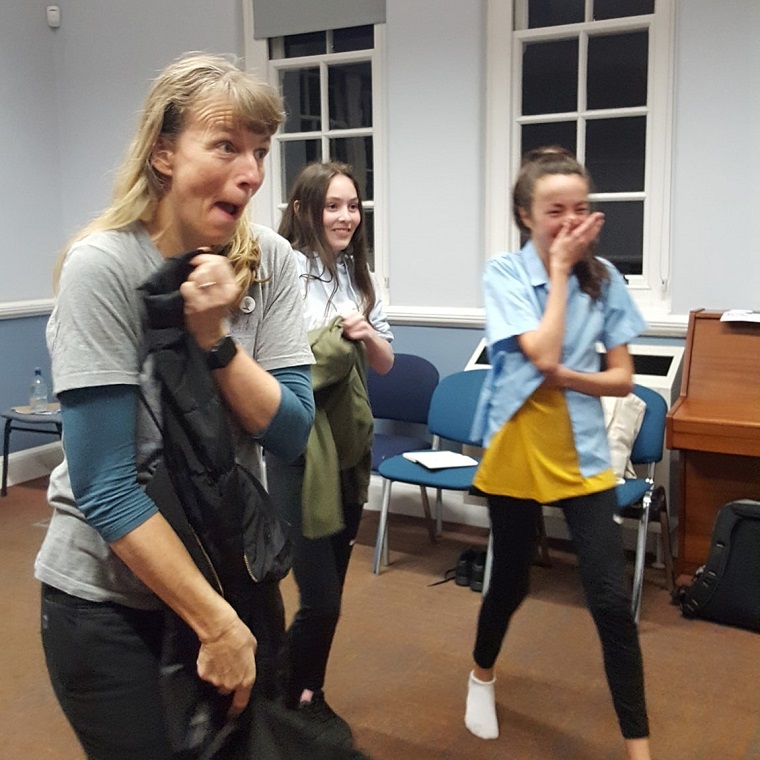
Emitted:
pixel 516 287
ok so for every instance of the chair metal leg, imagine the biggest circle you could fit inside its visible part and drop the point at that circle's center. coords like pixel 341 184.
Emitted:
pixel 641 548
pixel 428 515
pixel 382 528
pixel 542 548
pixel 6 448
pixel 489 563
pixel 667 552
pixel 438 512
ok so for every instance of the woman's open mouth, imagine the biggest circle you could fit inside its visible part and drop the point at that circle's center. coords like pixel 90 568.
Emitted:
pixel 229 208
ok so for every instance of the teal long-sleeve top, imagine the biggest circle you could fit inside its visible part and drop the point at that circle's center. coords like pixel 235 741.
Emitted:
pixel 101 458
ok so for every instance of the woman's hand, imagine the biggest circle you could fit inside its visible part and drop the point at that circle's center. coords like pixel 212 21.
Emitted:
pixel 228 663
pixel 155 554
pixel 379 351
pixel 571 243
pixel 356 326
pixel 209 292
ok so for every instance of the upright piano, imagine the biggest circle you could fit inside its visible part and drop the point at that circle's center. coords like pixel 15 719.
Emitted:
pixel 715 425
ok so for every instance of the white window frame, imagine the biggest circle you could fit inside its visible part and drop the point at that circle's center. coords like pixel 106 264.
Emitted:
pixel 651 289
pixel 267 204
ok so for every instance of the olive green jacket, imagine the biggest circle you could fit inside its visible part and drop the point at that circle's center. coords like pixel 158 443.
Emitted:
pixel 339 451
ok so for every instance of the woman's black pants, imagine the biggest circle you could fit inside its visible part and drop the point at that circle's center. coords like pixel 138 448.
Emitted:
pixel 104 661
pixel 319 568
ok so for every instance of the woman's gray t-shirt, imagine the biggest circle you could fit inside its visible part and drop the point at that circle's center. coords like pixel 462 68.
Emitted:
pixel 95 336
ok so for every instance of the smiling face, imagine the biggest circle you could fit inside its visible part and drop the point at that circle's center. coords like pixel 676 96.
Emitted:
pixel 557 199
pixel 342 213
pixel 211 171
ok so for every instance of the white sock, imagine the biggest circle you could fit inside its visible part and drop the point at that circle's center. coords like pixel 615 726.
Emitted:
pixel 480 714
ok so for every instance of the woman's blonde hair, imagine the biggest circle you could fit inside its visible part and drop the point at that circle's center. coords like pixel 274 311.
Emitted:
pixel 192 81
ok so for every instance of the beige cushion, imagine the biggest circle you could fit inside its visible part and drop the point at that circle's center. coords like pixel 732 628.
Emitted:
pixel 622 418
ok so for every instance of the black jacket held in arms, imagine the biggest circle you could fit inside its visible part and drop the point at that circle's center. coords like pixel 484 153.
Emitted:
pixel 226 521
pixel 217 507
pixel 219 510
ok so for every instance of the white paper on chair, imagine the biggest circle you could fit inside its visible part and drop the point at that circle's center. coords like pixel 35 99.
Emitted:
pixel 438 460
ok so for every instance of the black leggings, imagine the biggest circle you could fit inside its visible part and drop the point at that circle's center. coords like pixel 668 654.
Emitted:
pixel 320 567
pixel 597 539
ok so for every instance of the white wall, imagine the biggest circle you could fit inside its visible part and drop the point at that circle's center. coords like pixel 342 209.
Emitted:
pixel 69 99
pixel 68 104
pixel 716 192
pixel 436 90
pixel 106 54
pixel 30 192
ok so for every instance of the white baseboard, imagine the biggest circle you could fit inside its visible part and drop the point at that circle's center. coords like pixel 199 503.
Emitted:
pixel 34 463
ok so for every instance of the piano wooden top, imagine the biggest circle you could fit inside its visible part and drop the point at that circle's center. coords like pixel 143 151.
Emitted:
pixel 719 405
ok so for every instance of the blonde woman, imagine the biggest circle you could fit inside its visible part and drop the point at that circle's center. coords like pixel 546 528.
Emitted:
pixel 110 563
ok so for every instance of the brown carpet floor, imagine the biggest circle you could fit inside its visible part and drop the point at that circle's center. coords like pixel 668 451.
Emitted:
pixel 402 654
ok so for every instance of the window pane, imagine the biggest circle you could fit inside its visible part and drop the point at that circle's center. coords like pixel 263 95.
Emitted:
pixel 369 229
pixel 554 12
pixel 354 38
pixel 615 153
pixel 617 70
pixel 555 133
pixel 622 237
pixel 295 155
pixel 550 77
pixel 300 89
pixel 349 89
pixel 312 43
pixel 357 152
pixel 620 8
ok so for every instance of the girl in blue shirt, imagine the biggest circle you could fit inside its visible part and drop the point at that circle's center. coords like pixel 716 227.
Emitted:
pixel 540 417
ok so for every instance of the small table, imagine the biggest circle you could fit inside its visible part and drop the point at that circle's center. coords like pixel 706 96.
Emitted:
pixel 22 418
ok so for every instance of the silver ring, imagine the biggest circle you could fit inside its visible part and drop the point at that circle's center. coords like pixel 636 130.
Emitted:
pixel 208 284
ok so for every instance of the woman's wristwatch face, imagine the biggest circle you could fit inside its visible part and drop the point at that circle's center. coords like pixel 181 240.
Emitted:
pixel 222 353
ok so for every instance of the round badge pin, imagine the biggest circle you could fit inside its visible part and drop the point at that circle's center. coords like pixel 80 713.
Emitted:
pixel 247 305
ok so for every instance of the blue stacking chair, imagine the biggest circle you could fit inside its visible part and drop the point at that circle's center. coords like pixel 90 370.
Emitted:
pixel 402 395
pixel 452 409
pixel 638 496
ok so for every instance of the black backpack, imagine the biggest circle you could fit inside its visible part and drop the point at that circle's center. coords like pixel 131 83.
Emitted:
pixel 726 589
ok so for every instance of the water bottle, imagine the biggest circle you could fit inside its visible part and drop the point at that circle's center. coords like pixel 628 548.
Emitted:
pixel 38 395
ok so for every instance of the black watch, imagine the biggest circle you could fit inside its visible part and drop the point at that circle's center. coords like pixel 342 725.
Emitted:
pixel 222 353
